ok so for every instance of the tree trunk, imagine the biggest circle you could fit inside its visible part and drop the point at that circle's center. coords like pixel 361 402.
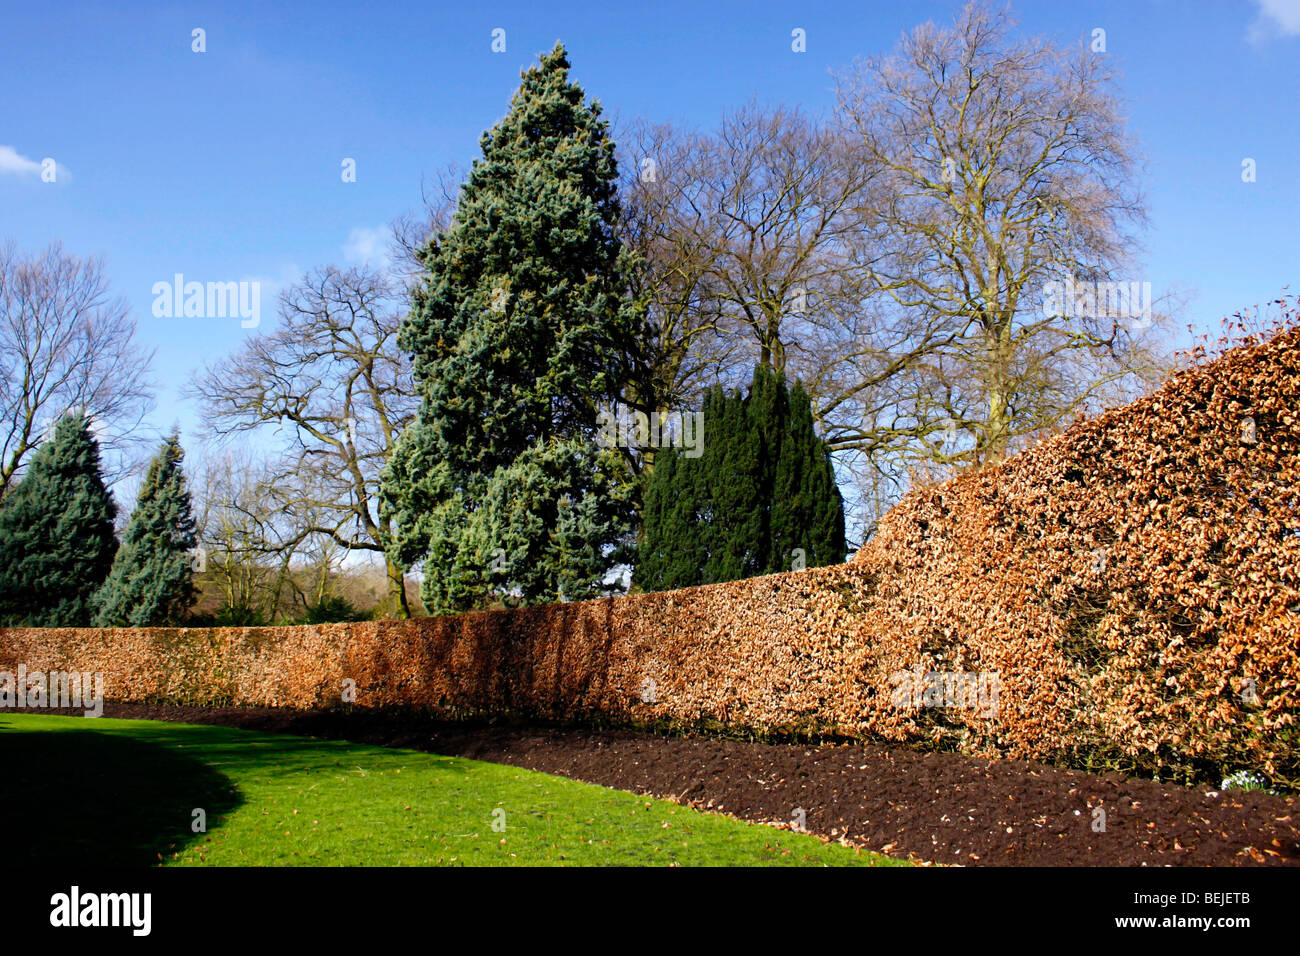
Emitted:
pixel 397 590
pixel 997 427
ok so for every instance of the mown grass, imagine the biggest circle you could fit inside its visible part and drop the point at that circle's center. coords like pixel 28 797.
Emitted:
pixel 125 792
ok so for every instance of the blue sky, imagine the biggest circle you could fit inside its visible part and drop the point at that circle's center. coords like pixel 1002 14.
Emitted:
pixel 225 165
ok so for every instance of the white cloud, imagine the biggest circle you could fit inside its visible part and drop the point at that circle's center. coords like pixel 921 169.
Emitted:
pixel 11 161
pixel 1276 18
pixel 15 163
pixel 367 245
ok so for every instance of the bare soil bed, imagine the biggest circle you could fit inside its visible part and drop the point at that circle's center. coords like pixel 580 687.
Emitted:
pixel 937 807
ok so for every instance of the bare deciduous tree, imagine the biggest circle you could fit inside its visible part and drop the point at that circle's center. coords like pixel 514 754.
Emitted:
pixel 681 349
pixel 779 195
pixel 242 551
pixel 742 232
pixel 331 372
pixel 66 343
pixel 1000 165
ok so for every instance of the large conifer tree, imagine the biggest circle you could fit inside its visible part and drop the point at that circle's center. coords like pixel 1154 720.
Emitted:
pixel 513 334
pixel 151 582
pixel 56 532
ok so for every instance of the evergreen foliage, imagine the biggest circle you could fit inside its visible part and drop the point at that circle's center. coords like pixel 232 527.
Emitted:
pixel 56 532
pixel 514 332
pixel 151 583
pixel 761 498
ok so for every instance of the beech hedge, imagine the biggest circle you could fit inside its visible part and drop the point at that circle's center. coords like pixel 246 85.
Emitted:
pixel 1121 595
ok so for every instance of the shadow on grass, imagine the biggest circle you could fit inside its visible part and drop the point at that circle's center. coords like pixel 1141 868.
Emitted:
pixel 103 798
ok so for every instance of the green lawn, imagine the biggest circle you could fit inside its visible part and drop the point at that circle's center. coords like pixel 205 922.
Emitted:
pixel 124 792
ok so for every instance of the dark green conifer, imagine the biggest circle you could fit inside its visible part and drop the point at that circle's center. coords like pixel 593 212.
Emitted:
pixel 56 532
pixel 761 499
pixel 151 583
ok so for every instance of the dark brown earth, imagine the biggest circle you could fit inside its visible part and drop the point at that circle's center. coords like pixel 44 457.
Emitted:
pixel 936 807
